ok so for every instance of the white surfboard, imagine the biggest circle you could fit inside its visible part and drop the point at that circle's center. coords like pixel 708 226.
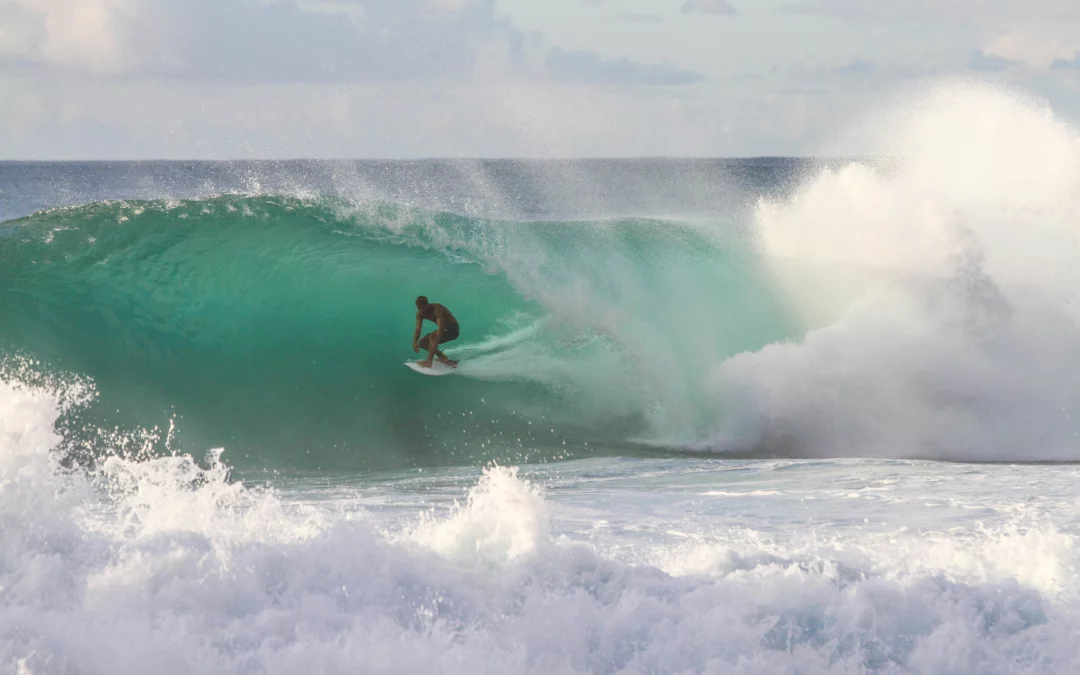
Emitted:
pixel 435 370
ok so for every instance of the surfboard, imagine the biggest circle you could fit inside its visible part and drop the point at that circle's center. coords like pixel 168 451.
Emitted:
pixel 435 370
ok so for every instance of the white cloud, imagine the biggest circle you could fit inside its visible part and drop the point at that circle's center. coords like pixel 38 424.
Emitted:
pixel 273 78
pixel 334 41
pixel 1039 51
pixel 274 40
pixel 1000 35
pixel 407 78
pixel 83 33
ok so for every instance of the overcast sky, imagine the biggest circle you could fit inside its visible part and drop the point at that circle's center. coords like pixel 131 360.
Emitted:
pixel 108 79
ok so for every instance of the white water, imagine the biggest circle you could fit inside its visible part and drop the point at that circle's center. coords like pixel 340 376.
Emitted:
pixel 939 293
pixel 597 566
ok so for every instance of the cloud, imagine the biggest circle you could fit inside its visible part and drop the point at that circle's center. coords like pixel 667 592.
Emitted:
pixel 584 66
pixel 68 33
pixel 1034 34
pixel 272 40
pixel 708 7
pixel 280 41
pixel 1035 50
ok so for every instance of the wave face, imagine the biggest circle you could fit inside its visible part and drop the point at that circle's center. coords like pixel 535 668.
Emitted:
pixel 277 326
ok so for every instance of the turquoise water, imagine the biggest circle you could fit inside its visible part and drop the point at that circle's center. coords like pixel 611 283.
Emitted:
pixel 276 326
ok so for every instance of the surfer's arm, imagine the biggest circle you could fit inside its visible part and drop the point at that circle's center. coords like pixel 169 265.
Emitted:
pixel 416 333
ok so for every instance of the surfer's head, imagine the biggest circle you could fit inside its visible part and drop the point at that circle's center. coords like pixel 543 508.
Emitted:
pixel 421 302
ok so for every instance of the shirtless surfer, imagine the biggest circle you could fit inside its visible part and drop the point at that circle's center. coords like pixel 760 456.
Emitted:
pixel 448 330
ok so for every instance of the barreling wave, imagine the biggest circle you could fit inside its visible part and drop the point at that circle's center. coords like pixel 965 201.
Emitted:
pixel 276 326
pixel 921 307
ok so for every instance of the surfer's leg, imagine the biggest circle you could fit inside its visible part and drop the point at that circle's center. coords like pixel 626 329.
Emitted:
pixel 424 344
pixel 447 337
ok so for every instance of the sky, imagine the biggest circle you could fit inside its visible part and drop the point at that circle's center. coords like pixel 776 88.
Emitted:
pixel 232 79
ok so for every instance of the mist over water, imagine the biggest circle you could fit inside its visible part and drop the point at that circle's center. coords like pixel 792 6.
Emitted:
pixel 716 428
pixel 939 294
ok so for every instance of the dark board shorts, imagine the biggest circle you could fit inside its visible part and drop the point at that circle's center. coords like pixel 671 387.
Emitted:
pixel 450 333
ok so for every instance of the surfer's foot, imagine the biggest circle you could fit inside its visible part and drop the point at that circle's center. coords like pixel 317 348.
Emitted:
pixel 448 362
pixel 424 364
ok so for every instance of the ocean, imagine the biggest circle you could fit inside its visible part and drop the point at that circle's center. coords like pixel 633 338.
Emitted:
pixel 712 416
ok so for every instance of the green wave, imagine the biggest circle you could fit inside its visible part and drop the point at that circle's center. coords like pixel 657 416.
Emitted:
pixel 276 326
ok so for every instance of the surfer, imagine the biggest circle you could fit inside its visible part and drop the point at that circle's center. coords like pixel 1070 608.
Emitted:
pixel 448 330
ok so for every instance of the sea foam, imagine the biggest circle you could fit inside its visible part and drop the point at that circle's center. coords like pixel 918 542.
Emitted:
pixel 938 290
pixel 165 561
